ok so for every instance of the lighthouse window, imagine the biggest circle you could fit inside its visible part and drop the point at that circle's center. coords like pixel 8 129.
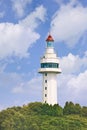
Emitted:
pixel 45 81
pixel 49 44
pixel 45 74
pixel 45 88
pixel 49 65
pixel 45 95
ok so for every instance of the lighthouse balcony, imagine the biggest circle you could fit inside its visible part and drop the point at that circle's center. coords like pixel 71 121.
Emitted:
pixel 50 70
pixel 49 59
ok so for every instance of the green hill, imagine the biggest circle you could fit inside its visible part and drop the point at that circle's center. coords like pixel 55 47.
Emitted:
pixel 38 116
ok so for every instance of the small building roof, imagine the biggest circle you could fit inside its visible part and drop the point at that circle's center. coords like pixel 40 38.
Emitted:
pixel 49 38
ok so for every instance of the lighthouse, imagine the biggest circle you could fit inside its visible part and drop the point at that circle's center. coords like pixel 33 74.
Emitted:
pixel 49 68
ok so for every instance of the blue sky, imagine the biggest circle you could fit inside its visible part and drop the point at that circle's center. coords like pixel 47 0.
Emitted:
pixel 24 26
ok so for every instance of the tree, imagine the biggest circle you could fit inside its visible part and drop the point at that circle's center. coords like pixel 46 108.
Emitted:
pixel 69 108
pixel 38 116
pixel 84 111
pixel 77 109
pixel 58 111
pixel 7 124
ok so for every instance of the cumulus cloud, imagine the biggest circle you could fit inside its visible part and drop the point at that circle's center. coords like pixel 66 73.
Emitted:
pixel 8 80
pixel 73 64
pixel 32 19
pixel 72 83
pixel 72 88
pixel 32 89
pixel 60 2
pixel 19 6
pixel 15 39
pixel 86 53
pixel 17 89
pixel 69 23
pixel 29 87
pixel 78 83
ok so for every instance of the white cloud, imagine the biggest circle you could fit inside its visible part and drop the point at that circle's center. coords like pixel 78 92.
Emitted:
pixel 32 19
pixel 86 53
pixel 66 1
pixel 31 90
pixel 72 83
pixel 73 88
pixel 69 23
pixel 15 89
pixel 15 39
pixel 8 80
pixel 59 1
pixel 29 87
pixel 2 67
pixel 19 6
pixel 72 64
pixel 19 88
pixel 78 82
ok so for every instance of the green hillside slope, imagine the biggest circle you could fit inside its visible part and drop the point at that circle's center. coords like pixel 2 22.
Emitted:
pixel 38 116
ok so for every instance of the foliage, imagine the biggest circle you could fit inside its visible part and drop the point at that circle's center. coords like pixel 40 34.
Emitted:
pixel 38 116
pixel 84 111
pixel 71 108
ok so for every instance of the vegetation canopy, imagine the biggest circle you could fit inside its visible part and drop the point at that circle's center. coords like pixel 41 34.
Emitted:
pixel 38 116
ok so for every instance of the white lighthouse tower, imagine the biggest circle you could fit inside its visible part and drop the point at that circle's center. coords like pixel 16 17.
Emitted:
pixel 49 69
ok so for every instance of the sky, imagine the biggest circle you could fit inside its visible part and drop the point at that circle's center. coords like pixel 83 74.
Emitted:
pixel 24 27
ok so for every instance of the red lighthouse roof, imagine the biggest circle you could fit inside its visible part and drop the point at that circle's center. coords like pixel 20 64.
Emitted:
pixel 49 38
